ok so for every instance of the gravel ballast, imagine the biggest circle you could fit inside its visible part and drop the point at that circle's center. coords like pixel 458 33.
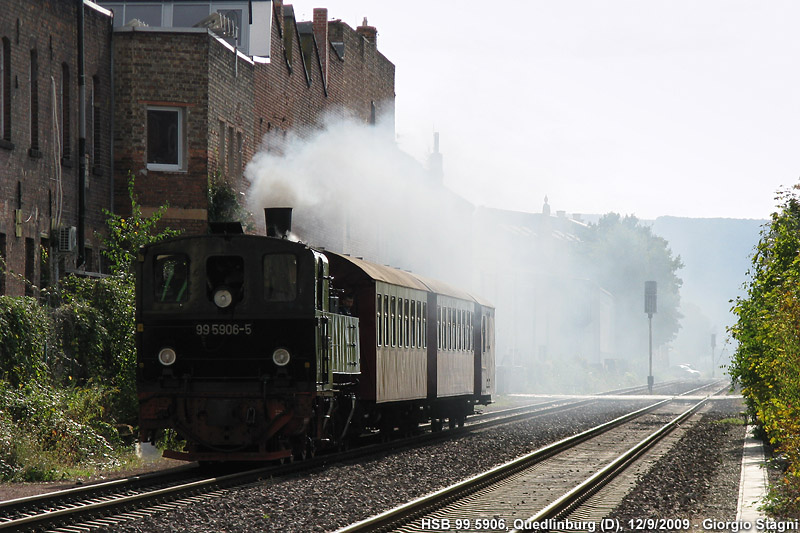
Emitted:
pixel 698 478
pixel 703 479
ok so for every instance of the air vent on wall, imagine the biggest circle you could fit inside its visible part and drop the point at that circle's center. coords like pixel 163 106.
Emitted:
pixel 67 239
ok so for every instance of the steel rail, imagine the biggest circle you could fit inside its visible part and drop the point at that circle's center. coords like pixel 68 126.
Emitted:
pixel 593 483
pixel 392 518
pixel 73 510
pixel 475 483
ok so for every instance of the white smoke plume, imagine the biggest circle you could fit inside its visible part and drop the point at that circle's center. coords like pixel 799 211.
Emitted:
pixel 354 191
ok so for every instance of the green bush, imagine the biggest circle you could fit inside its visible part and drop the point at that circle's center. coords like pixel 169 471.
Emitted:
pixel 67 373
pixel 45 432
pixel 767 360
pixel 95 323
pixel 26 340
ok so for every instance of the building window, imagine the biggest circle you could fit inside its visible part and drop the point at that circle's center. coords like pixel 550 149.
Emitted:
pixel 96 117
pixel 65 137
pixel 149 14
pixel 34 111
pixel 5 90
pixel 165 138
pixel 44 272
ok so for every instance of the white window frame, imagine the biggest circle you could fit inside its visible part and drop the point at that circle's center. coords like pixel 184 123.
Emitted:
pixel 181 165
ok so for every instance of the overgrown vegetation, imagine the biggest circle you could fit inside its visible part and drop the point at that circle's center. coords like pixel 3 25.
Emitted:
pixel 223 204
pixel 767 361
pixel 67 369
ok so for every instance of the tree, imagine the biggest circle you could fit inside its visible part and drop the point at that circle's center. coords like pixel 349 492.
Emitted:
pixel 622 254
pixel 767 360
pixel 128 234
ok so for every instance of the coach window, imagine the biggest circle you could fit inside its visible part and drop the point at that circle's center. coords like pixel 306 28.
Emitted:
pixel 453 342
pixel 406 332
pixel 166 141
pixel 386 320
pixel 424 325
pixel 447 332
pixel 439 331
pixel 464 342
pixel 468 330
pixel 378 320
pixel 419 325
pixel 464 330
pixel 171 278
pixel 280 277
pixel 414 335
pixel 444 328
pixel 393 310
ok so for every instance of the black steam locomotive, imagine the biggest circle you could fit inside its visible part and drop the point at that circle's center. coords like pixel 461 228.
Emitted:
pixel 263 348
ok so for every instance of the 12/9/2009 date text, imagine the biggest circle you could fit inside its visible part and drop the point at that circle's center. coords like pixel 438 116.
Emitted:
pixel 651 524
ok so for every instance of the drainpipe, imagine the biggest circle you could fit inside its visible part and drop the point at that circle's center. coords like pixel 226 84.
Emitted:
pixel 81 140
pixel 111 118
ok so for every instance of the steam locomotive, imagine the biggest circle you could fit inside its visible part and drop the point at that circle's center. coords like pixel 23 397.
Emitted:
pixel 263 348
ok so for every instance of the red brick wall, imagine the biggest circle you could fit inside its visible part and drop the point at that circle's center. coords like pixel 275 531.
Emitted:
pixel 196 71
pixel 284 98
pixel 50 28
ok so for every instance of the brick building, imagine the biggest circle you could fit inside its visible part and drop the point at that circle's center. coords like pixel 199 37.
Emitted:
pixel 192 107
pixel 40 220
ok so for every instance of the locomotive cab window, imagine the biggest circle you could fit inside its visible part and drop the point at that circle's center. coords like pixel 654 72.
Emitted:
pixel 280 277
pixel 171 278
pixel 225 279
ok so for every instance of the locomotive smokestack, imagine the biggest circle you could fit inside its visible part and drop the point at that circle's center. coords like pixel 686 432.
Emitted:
pixel 279 221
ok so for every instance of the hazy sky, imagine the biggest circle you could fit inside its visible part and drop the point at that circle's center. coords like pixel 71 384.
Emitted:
pixel 679 107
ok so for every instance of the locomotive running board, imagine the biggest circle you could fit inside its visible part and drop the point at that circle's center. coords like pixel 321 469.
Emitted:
pixel 220 456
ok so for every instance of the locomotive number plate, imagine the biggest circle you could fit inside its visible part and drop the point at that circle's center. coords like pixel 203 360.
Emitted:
pixel 223 329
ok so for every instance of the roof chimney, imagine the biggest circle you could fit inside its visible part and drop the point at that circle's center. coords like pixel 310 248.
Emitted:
pixel 370 33
pixel 435 166
pixel 321 35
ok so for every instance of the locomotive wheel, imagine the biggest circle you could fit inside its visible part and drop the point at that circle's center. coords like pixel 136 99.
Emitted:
pixel 436 425
pixel 452 422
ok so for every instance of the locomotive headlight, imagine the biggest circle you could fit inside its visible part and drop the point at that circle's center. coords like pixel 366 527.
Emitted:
pixel 223 298
pixel 166 356
pixel 281 357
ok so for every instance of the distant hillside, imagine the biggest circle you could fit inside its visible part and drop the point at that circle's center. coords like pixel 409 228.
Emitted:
pixel 716 253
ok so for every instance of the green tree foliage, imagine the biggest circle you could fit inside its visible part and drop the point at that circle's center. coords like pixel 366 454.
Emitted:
pixel 127 234
pixel 767 360
pixel 622 254
pixel 223 204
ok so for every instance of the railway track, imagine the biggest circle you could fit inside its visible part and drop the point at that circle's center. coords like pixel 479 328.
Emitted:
pixel 102 505
pixel 535 491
